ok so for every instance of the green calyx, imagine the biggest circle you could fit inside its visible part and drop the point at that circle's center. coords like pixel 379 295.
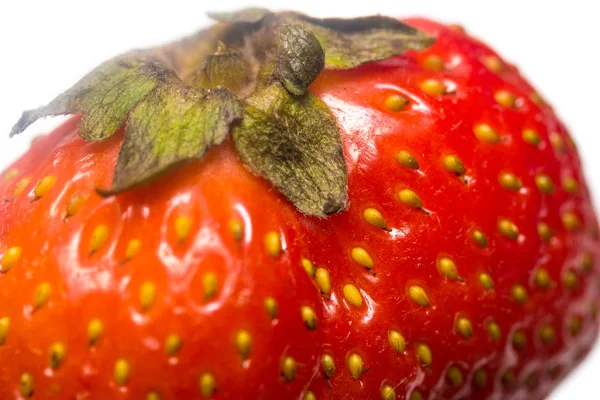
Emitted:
pixel 247 76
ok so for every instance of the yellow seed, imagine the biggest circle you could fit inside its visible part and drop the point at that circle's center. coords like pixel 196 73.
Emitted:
pixel 508 379
pixel 464 327
pixel 494 64
pixel 237 229
pixel 327 365
pixel 210 285
pixel 433 87
pixel 509 181
pixel 323 280
pixel 44 186
pixel 309 317
pixel 454 165
pixel 98 238
pixel 352 295
pixel 397 342
pixel 21 186
pixel 532 137
pixel 183 227
pixel 587 262
pixel 396 102
pixel 11 258
pixel 486 281
pixel 388 393
pixel 536 98
pixel 505 98
pixel 518 293
pixel 173 344
pixel 288 369
pixel 273 244
pixel 547 334
pixel 480 238
pixel 42 294
pixel 557 142
pixel 10 175
pixel 271 307
pixel 308 267
pixel 571 143
pixel 122 371
pixel 447 267
pixel 147 295
pixel 355 365
pixel 94 331
pixel 480 378
pixel 152 396
pixel 418 295
pixel 571 221
pixel 407 159
pixel 433 63
pixel 544 231
pixel 243 343
pixel 542 278
pixel 570 185
pixel 207 385
pixel 410 198
pixel 575 325
pixel 26 384
pixel 519 340
pixel 416 396
pixel 4 327
pixel 508 229
pixel 486 133
pixel 361 256
pixel 309 396
pixel 424 354
pixel 74 205
pixel 570 280
pixel 531 380
pixel 493 330
pixel 454 376
pixel 459 29
pixel 58 352
pixel 544 184
pixel 374 217
pixel 133 247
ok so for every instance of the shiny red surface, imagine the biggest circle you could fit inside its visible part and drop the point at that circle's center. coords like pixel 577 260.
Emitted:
pixel 219 188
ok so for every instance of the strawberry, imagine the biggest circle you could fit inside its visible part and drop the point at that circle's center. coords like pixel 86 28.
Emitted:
pixel 346 221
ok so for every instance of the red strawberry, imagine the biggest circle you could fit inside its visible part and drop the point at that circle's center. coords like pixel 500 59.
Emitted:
pixel 461 265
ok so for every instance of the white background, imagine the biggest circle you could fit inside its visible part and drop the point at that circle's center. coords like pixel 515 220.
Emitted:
pixel 46 46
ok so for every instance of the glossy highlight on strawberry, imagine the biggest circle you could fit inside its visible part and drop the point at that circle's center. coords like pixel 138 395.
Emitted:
pixel 464 266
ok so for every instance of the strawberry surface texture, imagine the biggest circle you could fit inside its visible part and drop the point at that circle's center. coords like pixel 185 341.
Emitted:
pixel 463 264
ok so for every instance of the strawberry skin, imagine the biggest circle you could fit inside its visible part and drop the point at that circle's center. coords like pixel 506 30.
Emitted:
pixel 464 266
pixel 103 285
pixel 432 128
